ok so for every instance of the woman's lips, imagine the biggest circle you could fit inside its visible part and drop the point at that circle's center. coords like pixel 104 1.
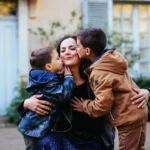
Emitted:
pixel 68 58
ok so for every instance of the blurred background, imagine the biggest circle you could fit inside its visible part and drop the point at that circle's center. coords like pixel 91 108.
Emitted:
pixel 26 25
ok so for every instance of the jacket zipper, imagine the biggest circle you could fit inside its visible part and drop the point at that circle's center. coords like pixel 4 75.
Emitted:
pixel 86 73
pixel 69 123
pixel 111 116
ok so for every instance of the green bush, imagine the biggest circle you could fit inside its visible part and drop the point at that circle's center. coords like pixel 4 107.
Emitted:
pixel 21 94
pixel 143 83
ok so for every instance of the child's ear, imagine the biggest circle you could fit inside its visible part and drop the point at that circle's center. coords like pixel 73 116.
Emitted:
pixel 88 51
pixel 48 67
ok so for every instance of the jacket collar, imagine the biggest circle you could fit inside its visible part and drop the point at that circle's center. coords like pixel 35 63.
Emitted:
pixel 88 70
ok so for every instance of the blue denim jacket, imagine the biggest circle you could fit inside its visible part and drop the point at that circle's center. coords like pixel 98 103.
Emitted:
pixel 50 85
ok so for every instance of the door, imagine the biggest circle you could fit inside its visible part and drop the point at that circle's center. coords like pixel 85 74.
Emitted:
pixel 8 61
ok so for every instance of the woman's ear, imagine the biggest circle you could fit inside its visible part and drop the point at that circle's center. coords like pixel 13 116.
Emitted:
pixel 48 67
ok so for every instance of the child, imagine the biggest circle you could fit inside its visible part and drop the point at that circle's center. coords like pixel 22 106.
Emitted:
pixel 43 79
pixel 112 87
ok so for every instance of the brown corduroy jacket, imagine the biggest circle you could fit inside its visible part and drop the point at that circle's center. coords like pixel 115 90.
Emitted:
pixel 112 87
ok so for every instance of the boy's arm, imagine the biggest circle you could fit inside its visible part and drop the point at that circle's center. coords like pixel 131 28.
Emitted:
pixel 68 86
pixel 21 109
pixel 104 98
pixel 55 90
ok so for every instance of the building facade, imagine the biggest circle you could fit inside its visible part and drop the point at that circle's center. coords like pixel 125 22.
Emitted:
pixel 128 18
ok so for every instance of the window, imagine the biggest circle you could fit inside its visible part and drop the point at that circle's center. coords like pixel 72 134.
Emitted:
pixel 7 7
pixel 132 21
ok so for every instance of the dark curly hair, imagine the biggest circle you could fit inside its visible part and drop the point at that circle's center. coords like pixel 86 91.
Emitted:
pixel 84 62
pixel 93 38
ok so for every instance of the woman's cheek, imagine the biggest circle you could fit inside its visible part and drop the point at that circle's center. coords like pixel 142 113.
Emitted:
pixel 64 61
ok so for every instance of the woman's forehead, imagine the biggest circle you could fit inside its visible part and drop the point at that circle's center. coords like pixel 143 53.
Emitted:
pixel 68 42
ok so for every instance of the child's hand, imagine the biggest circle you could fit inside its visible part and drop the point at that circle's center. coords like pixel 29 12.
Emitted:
pixel 67 71
pixel 77 104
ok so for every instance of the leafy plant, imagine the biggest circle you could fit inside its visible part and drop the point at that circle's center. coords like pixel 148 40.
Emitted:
pixel 49 37
pixel 21 94
pixel 144 83
pixel 116 40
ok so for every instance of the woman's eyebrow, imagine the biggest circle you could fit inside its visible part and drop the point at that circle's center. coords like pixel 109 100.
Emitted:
pixel 69 46
pixel 72 45
pixel 63 47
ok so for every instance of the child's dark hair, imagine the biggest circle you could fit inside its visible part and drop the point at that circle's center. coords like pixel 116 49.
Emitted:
pixel 84 62
pixel 93 38
pixel 39 58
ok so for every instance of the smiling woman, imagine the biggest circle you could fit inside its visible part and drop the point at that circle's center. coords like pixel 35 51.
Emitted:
pixel 68 53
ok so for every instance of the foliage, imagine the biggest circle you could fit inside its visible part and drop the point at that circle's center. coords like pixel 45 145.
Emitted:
pixel 49 37
pixel 116 40
pixel 21 94
pixel 144 83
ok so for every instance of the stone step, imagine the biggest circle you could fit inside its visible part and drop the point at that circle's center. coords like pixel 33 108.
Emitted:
pixel 4 122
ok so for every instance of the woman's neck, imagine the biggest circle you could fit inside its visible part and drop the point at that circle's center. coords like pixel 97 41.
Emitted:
pixel 76 75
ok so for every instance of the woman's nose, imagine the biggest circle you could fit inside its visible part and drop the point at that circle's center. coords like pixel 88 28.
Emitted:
pixel 67 51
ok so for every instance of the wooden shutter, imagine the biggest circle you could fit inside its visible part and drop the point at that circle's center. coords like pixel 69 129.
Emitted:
pixel 96 13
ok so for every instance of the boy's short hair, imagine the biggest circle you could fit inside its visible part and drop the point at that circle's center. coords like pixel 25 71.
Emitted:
pixel 94 38
pixel 39 58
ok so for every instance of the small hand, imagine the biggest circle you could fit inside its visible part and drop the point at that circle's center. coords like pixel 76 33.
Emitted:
pixel 40 107
pixel 141 97
pixel 77 104
pixel 67 71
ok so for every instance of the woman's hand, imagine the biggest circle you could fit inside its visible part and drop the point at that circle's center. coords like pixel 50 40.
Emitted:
pixel 140 98
pixel 77 104
pixel 40 107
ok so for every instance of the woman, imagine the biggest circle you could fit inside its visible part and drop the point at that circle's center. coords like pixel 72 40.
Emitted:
pixel 83 134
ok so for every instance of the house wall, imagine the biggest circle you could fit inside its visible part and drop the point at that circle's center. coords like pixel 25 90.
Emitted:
pixel 23 53
pixel 52 10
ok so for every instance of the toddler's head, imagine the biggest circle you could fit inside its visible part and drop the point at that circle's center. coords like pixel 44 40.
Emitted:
pixel 46 58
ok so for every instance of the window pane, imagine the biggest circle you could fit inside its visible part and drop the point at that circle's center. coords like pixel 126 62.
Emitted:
pixel 117 25
pixel 148 10
pixel 143 11
pixel 7 8
pixel 144 68
pixel 143 53
pixel 144 39
pixel 128 40
pixel 143 25
pixel 127 26
pixel 117 10
pixel 127 10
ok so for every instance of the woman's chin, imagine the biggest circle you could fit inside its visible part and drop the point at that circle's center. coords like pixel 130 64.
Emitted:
pixel 68 64
pixel 72 63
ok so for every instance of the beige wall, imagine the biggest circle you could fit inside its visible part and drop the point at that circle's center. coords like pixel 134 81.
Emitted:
pixel 52 10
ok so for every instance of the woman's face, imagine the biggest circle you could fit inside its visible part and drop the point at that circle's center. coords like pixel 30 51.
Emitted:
pixel 68 53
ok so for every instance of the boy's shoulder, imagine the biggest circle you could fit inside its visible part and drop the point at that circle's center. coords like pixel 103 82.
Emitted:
pixel 112 62
pixel 39 78
pixel 42 75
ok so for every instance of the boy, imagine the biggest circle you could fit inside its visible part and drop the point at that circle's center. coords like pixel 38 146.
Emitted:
pixel 43 79
pixel 112 87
